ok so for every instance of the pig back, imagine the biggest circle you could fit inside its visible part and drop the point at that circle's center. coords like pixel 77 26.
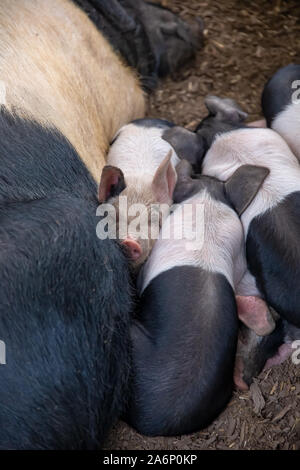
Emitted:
pixel 184 345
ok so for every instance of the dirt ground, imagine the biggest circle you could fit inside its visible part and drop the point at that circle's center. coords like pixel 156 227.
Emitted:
pixel 245 42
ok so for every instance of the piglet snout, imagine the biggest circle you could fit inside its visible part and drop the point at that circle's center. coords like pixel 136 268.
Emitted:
pixel 133 247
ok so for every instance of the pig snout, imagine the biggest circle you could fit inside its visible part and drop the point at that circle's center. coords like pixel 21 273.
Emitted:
pixel 133 248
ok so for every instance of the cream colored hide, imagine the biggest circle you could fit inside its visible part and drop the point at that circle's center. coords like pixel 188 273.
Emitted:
pixel 58 70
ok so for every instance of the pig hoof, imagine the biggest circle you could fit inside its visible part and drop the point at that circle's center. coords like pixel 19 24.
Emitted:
pixel 172 40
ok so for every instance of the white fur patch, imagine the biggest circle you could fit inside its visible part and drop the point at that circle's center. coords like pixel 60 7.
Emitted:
pixel 263 147
pixel 138 151
pixel 222 250
pixel 287 124
pixel 247 286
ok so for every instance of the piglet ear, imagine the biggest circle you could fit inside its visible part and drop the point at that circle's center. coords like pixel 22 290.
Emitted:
pixel 184 170
pixel 187 144
pixel 225 109
pixel 111 184
pixel 185 184
pixel 164 180
pixel 244 184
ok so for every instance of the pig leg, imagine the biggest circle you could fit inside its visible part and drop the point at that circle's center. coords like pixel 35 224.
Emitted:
pixel 253 352
pixel 172 40
pixel 283 353
pixel 292 333
pixel 114 11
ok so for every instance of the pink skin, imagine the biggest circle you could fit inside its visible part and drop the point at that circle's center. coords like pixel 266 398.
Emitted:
pixel 283 353
pixel 239 382
pixel 133 247
pixel 260 123
pixel 254 313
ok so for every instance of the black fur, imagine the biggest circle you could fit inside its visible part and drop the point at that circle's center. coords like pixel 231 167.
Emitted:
pixel 149 37
pixel 37 162
pixel 65 298
pixel 188 187
pixel 273 254
pixel 188 145
pixel 260 349
pixel 211 126
pixel 278 91
pixel 225 115
pixel 237 192
pixel 152 122
pixel 184 345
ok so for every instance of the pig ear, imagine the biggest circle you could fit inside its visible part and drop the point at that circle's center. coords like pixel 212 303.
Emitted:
pixel 187 144
pixel 225 109
pixel 244 184
pixel 185 184
pixel 164 180
pixel 111 184
pixel 184 170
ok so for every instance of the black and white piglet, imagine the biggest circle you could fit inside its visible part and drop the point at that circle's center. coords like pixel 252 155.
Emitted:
pixel 272 221
pixel 185 335
pixel 141 167
pixel 281 105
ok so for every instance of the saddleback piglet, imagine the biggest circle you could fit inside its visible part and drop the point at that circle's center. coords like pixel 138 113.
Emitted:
pixel 281 105
pixel 141 168
pixel 185 334
pixel 272 221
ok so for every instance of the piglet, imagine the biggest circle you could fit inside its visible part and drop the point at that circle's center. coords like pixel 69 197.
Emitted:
pixel 185 334
pixel 281 105
pixel 272 221
pixel 141 168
